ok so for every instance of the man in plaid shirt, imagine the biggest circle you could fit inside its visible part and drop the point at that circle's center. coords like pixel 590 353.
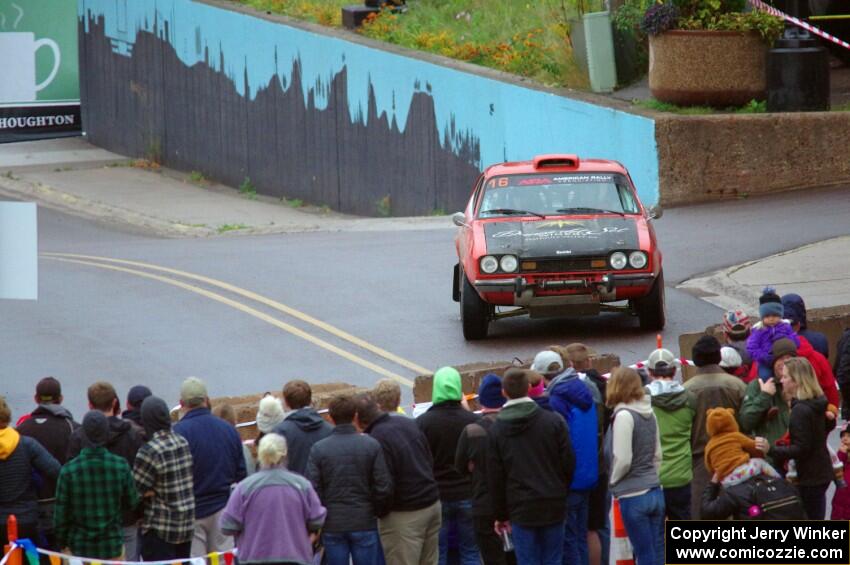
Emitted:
pixel 163 473
pixel 92 492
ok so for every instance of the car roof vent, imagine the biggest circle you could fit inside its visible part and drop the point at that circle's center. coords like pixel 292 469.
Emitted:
pixel 556 160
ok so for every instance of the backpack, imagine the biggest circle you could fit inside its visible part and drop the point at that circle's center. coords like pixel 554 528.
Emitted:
pixel 774 499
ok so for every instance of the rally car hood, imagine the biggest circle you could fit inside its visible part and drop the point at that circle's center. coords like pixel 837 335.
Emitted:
pixel 562 237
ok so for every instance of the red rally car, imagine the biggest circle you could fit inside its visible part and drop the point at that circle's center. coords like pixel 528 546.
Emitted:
pixel 556 236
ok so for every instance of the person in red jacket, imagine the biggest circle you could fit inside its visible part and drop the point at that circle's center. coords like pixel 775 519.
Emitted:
pixel 823 372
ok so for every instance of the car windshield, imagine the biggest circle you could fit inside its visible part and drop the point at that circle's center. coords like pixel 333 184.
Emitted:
pixel 557 194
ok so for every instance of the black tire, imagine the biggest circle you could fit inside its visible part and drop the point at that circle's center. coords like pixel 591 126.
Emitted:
pixel 474 312
pixel 650 308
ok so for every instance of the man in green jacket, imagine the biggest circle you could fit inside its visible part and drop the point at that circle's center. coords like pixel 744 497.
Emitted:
pixel 674 409
pixel 764 411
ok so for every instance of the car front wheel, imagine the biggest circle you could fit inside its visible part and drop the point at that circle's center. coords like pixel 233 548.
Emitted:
pixel 474 312
pixel 650 308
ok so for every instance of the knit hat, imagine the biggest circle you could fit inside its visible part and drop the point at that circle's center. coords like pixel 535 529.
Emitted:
pixel 137 395
pixel 769 303
pixel 794 309
pixel 48 390
pixel 725 448
pixel 730 358
pixel 544 360
pixel 661 360
pixel 155 415
pixel 446 386
pixel 783 346
pixel 95 429
pixel 490 392
pixel 270 414
pixel 706 351
pixel 737 324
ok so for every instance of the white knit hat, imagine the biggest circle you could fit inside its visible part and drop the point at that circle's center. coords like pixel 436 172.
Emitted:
pixel 730 358
pixel 270 414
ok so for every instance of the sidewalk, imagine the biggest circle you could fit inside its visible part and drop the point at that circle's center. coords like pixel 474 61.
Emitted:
pixel 818 272
pixel 75 177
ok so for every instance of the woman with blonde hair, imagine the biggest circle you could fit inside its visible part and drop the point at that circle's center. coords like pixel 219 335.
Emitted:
pixel 274 514
pixel 808 428
pixel 633 449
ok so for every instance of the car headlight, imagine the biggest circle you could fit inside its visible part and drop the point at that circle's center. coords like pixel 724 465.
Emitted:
pixel 509 263
pixel 618 260
pixel 637 259
pixel 489 264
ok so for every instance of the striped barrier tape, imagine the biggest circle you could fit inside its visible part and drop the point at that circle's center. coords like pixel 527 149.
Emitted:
pixel 31 552
pixel 759 5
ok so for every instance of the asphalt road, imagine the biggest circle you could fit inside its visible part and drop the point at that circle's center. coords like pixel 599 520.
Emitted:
pixel 131 323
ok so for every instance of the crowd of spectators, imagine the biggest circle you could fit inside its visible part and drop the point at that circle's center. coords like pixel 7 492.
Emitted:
pixel 526 477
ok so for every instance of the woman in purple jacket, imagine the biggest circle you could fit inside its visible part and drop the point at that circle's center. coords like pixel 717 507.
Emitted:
pixel 274 514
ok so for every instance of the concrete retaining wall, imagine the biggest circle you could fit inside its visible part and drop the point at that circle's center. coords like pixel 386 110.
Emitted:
pixel 723 157
pixel 323 115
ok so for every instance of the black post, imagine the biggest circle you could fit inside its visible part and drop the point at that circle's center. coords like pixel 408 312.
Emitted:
pixel 797 68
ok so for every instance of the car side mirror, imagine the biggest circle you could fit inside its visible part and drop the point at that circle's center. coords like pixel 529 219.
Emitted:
pixel 655 212
pixel 459 219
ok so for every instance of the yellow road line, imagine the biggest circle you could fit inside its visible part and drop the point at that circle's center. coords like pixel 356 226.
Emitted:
pixel 263 300
pixel 250 311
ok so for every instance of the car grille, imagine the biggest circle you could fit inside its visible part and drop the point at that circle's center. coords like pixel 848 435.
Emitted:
pixel 563 265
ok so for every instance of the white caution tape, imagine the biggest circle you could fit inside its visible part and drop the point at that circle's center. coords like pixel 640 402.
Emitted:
pixel 761 6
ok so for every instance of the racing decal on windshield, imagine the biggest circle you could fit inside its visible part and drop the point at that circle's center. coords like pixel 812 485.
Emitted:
pixel 540 180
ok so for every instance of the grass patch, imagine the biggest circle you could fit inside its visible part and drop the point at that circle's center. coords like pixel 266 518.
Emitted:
pixel 841 107
pixel 384 206
pixel 10 175
pixel 526 38
pixel 224 228
pixel 197 177
pixel 292 202
pixel 752 107
pixel 248 189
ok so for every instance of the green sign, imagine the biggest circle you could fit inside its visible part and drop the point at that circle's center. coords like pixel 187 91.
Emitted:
pixel 40 90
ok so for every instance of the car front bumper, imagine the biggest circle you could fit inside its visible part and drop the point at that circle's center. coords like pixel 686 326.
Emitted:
pixel 546 297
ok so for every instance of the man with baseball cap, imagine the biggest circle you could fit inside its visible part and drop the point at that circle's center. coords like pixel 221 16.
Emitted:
pixel 674 409
pixel 51 425
pixel 218 463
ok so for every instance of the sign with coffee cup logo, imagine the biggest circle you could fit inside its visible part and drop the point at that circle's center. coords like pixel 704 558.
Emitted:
pixel 39 87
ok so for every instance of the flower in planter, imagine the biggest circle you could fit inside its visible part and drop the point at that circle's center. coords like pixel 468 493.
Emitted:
pixel 659 18
pixel 716 15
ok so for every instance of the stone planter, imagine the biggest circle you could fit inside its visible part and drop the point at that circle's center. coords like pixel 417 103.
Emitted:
pixel 713 68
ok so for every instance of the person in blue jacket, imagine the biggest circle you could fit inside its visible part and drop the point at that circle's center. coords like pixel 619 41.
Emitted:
pixel 573 400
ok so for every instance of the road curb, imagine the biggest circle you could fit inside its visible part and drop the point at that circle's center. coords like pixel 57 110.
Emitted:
pixel 49 197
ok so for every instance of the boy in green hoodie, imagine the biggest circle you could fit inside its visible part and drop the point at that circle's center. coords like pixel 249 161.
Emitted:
pixel 674 409
pixel 442 425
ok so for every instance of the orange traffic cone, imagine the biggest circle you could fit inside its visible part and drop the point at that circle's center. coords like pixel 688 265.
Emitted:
pixel 621 547
pixel 12 534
